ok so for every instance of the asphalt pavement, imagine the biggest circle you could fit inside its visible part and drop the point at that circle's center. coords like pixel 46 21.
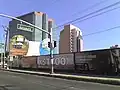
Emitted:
pixel 20 81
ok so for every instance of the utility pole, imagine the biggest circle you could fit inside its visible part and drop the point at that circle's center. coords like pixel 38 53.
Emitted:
pixel 4 52
pixel 1 55
pixel 1 48
pixel 1 59
pixel 51 53
pixel 6 29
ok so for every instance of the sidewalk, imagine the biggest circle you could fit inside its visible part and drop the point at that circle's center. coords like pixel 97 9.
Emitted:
pixel 113 81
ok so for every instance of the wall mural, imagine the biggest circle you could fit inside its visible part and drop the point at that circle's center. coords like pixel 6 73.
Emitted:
pixel 18 45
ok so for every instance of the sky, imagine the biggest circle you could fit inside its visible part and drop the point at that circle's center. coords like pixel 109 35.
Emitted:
pixel 63 11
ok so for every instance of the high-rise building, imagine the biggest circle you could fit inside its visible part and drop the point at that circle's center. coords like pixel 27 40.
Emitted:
pixel 70 39
pixel 44 26
pixel 32 34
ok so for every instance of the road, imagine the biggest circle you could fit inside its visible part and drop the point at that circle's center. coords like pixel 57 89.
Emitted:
pixel 17 81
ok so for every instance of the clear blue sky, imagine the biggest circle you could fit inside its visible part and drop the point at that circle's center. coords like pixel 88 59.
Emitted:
pixel 64 10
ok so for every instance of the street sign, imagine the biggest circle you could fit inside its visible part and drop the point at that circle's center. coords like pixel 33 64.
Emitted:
pixel 25 27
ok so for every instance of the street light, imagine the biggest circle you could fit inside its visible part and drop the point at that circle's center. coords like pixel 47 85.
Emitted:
pixel 6 29
pixel 49 33
pixel 1 47
pixel 4 54
pixel 51 54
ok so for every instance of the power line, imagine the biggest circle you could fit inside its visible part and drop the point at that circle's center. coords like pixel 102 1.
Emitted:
pixel 97 15
pixel 52 2
pixel 55 1
pixel 114 4
pixel 102 31
pixel 95 5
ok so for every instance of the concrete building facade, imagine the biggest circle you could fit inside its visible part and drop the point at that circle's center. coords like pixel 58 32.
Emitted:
pixel 70 39
pixel 44 25
pixel 32 34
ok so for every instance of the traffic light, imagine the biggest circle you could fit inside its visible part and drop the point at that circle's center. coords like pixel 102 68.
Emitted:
pixel 49 44
pixel 55 44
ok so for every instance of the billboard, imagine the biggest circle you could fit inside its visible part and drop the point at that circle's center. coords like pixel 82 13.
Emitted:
pixel 98 60
pixel 44 49
pixel 39 48
pixel 106 61
pixel 29 62
pixel 62 61
pixel 18 45
pixel 33 49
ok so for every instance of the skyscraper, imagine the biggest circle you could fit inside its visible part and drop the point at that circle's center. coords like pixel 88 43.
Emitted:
pixel 44 26
pixel 39 19
pixel 70 39
pixel 30 33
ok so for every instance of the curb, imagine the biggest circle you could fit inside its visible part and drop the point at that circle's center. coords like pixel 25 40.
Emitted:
pixel 112 81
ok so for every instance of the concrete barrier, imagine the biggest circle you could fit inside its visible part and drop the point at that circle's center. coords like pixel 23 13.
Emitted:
pixel 112 81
